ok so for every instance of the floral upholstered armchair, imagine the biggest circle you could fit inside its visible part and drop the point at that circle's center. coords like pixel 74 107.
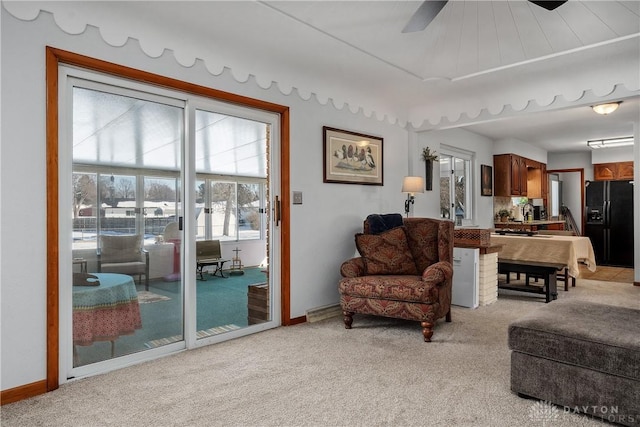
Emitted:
pixel 405 271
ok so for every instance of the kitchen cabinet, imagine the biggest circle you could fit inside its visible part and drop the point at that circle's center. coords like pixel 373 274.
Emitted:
pixel 613 171
pixel 518 176
pixel 552 226
pixel 545 183
pixel 625 170
pixel 510 175
pixel 534 182
pixel 603 171
pixel 537 181
pixel 517 183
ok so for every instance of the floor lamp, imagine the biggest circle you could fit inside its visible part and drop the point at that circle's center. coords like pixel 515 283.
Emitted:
pixel 411 185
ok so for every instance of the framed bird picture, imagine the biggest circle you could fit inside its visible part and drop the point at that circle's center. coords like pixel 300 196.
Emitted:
pixel 351 157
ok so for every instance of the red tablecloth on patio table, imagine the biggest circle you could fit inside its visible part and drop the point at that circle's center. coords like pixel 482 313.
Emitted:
pixel 103 313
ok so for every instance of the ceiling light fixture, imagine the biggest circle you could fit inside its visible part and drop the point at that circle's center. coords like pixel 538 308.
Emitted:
pixel 607 108
pixel 610 143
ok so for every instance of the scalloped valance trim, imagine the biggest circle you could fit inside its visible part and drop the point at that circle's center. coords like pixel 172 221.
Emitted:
pixel 586 97
pixel 187 55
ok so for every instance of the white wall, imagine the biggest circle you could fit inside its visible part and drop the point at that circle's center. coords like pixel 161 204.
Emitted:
pixel 612 155
pixel 580 160
pixel 571 195
pixel 322 229
pixel 428 203
pixel 571 185
pixel 521 148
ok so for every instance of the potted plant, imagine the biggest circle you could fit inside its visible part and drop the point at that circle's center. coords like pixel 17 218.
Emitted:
pixel 428 157
pixel 504 214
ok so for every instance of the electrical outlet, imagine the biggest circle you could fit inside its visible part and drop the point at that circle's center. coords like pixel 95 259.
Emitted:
pixel 297 197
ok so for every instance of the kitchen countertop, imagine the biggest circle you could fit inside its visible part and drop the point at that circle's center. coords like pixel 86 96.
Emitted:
pixel 538 222
pixel 484 249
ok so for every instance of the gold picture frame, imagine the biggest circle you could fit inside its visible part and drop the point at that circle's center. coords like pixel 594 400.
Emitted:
pixel 352 157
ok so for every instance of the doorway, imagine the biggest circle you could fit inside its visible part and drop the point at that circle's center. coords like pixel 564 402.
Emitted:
pixel 134 194
pixel 566 189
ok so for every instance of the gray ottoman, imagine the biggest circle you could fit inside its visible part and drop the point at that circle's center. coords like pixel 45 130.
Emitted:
pixel 580 355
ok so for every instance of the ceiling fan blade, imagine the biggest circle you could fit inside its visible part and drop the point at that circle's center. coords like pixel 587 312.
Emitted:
pixel 549 5
pixel 427 11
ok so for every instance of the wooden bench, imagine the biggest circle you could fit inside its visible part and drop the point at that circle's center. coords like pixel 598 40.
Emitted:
pixel 546 270
pixel 208 253
pixel 564 277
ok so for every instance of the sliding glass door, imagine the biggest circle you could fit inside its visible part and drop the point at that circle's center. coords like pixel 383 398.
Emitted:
pixel 146 175
pixel 127 293
pixel 231 168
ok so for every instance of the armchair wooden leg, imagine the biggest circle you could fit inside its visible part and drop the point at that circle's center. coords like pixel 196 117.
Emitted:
pixel 427 330
pixel 448 317
pixel 348 319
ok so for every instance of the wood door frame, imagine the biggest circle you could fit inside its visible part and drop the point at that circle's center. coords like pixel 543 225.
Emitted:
pixel 56 57
pixel 581 171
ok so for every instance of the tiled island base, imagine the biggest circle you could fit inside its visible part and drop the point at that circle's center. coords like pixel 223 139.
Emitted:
pixel 488 279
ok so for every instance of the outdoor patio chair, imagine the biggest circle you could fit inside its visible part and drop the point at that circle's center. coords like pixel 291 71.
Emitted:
pixel 124 254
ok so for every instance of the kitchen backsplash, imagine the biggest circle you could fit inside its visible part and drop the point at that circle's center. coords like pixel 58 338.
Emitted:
pixel 502 203
pixel 513 204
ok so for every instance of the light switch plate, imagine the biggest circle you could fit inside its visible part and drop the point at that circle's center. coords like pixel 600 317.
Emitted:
pixel 297 197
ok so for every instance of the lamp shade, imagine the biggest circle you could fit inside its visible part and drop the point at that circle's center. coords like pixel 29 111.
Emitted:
pixel 413 184
pixel 607 108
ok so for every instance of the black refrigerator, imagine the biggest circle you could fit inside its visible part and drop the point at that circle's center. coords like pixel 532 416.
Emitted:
pixel 609 221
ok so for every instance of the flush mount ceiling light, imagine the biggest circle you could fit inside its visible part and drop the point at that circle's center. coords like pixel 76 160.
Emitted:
pixel 607 108
pixel 610 143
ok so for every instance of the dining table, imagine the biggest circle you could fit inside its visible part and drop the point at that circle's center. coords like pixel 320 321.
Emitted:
pixel 567 250
pixel 104 308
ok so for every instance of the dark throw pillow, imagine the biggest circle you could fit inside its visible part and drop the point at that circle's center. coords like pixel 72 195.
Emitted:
pixel 379 223
pixel 386 253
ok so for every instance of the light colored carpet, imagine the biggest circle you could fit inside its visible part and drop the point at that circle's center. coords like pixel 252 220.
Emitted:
pixel 380 373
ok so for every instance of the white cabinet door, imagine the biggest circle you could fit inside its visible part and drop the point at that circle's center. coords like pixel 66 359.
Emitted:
pixel 465 277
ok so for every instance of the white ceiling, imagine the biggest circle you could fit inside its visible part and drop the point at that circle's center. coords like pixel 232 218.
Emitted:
pixel 466 37
pixel 493 66
pixel 469 39
pixel 564 130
